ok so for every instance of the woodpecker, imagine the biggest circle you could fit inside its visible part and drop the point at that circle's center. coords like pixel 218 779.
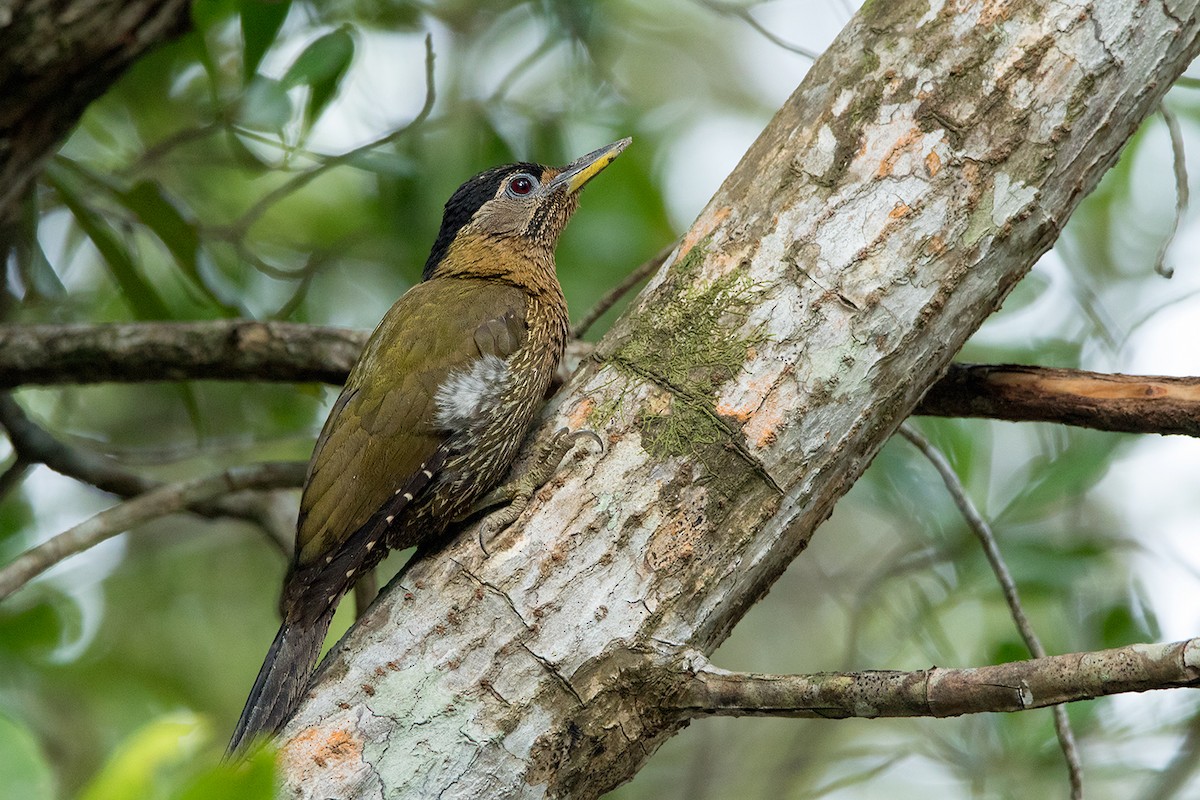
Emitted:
pixel 434 411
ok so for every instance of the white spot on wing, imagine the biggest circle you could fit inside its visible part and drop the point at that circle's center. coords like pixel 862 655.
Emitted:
pixel 470 393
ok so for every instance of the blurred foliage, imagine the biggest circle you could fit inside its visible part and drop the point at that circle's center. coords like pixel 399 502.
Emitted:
pixel 286 160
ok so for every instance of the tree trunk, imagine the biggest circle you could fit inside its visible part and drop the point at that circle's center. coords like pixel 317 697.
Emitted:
pixel 55 58
pixel 926 161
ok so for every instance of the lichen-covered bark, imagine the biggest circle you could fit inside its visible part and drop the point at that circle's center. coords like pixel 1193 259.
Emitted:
pixel 922 166
pixel 55 58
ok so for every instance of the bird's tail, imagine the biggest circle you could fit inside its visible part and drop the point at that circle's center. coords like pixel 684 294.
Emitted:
pixel 282 679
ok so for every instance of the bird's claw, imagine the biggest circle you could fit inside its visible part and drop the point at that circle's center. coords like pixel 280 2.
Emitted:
pixel 520 490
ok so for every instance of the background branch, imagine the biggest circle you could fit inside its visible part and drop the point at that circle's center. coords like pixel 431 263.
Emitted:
pixel 1124 403
pixel 158 351
pixel 983 532
pixel 158 503
pixel 34 445
pixel 938 692
pixel 285 351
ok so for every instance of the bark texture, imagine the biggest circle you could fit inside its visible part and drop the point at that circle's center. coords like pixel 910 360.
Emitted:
pixel 167 351
pixel 926 161
pixel 55 58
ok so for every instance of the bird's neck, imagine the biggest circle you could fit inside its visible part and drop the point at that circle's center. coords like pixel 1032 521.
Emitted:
pixel 520 262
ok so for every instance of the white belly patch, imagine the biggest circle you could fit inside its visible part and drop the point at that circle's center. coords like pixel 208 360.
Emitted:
pixel 468 394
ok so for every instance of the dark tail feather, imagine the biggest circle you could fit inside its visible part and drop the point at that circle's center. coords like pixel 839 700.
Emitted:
pixel 282 679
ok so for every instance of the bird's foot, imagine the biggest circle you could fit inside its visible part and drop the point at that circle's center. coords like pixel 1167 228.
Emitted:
pixel 517 492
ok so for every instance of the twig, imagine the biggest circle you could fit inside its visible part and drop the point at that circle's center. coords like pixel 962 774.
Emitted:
pixel 158 503
pixel 12 476
pixel 1150 314
pixel 168 143
pixel 255 212
pixel 1179 161
pixel 643 271
pixel 976 522
pixel 34 445
pixel 702 690
pixel 506 83
pixel 1174 776
pixel 744 14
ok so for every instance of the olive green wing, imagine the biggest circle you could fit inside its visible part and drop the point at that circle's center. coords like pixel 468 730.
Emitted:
pixel 380 436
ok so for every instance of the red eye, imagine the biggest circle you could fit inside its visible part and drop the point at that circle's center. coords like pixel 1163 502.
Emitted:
pixel 521 185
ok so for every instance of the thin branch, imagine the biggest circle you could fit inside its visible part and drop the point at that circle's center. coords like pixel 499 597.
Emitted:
pixel 34 445
pixel 255 212
pixel 641 273
pixel 735 10
pixel 506 83
pixel 1179 770
pixel 151 505
pixel 938 692
pixel 164 146
pixel 983 531
pixel 1125 403
pixel 1179 161
pixel 12 476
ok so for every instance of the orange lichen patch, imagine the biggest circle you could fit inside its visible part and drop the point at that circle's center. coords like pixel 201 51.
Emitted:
pixel 333 751
pixel 750 396
pixel 899 210
pixel 579 415
pixel 702 228
pixel 740 412
pixel 936 245
pixel 763 427
pixel 933 163
pixel 898 148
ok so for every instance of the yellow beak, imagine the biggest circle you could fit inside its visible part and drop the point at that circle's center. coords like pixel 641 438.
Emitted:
pixel 583 169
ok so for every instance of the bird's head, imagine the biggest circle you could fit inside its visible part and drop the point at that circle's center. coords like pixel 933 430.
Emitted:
pixel 514 208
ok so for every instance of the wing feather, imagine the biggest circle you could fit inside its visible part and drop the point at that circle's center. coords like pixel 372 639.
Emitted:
pixel 380 431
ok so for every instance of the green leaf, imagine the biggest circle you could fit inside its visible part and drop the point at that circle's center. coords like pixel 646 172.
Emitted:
pixel 261 22
pixel 321 67
pixel 265 105
pixel 207 13
pixel 140 763
pixel 251 779
pixel 34 630
pixel 1007 651
pixel 138 292
pixel 27 775
pixel 155 210
pixel 1052 480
